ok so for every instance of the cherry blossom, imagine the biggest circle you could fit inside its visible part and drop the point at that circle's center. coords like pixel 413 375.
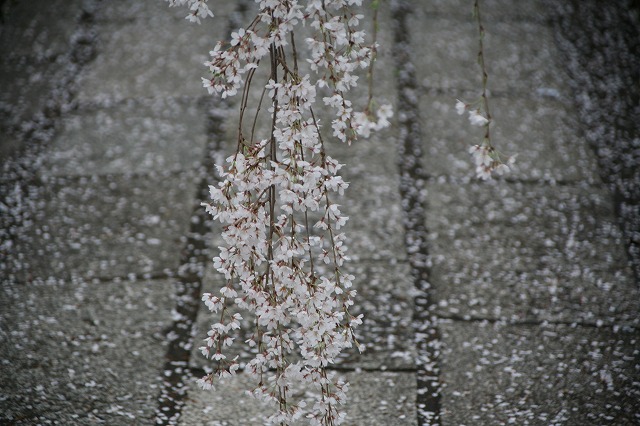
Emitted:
pixel 198 8
pixel 477 119
pixel 284 248
pixel 485 157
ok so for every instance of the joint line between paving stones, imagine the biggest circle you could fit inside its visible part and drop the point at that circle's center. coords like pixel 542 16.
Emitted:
pixel 75 178
pixel 412 191
pixel 532 323
pixel 173 393
pixel 189 284
pixel 190 276
pixel 198 371
pixel 451 92
pixel 93 105
pixel 443 178
pixel 515 18
pixel 172 273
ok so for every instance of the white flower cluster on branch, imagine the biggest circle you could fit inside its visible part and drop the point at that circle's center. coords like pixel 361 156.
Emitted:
pixel 198 8
pixel 284 249
pixel 485 157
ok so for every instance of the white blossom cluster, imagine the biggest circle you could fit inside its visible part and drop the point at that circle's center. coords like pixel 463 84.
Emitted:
pixel 198 9
pixel 485 157
pixel 284 246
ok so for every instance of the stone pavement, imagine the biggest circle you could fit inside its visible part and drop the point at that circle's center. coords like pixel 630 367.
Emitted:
pixel 502 302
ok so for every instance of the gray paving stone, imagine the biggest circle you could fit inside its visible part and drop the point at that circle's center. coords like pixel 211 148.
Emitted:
pixel 385 298
pixel 155 56
pixel 540 132
pixel 375 398
pixel 529 252
pixel 374 229
pixel 376 156
pixel 26 84
pixel 132 137
pixel 78 353
pixel 518 55
pixel 105 227
pixel 38 28
pixel 554 374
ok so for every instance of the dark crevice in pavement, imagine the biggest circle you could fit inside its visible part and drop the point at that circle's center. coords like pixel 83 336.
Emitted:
pixel 412 191
pixel 533 182
pixel 195 257
pixel 200 372
pixel 533 323
pixel 601 45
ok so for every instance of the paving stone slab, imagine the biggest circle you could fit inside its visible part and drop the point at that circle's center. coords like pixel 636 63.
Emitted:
pixel 154 57
pixel 539 132
pixel 549 375
pixel 375 399
pixel 376 155
pixel 518 55
pixel 26 85
pixel 131 137
pixel 104 227
pixel 374 229
pixel 38 28
pixel 385 298
pixel 529 252
pixel 77 353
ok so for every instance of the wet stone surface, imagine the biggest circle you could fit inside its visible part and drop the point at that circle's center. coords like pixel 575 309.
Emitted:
pixel 529 252
pixel 113 193
pixel 518 55
pixel 130 137
pixel 600 49
pixel 376 399
pixel 73 352
pixel 165 60
pixel 551 374
pixel 375 227
pixel 110 226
